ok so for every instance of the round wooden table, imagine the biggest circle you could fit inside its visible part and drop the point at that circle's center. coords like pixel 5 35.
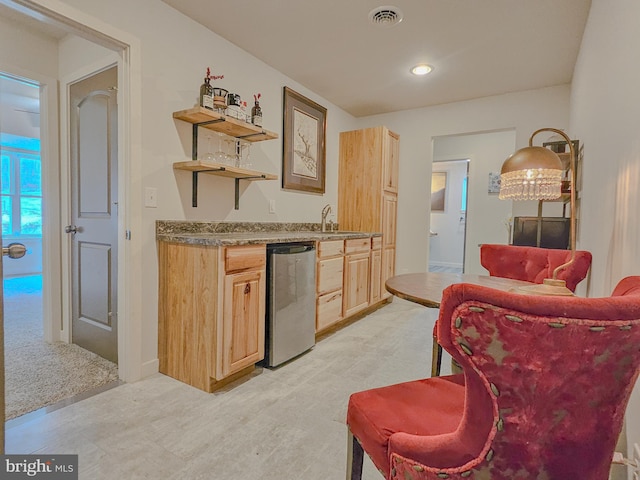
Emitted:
pixel 426 289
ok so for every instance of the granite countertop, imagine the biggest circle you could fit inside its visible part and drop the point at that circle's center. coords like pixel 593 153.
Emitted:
pixel 231 233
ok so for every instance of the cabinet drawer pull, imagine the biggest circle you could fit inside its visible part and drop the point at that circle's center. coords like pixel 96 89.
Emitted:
pixel 247 288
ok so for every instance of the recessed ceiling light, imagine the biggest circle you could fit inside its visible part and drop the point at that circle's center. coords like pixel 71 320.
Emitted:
pixel 421 69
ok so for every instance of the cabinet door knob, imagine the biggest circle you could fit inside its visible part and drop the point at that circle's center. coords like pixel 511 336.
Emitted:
pixel 247 288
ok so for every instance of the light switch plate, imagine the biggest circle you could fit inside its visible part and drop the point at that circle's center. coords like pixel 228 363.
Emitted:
pixel 151 197
pixel 272 206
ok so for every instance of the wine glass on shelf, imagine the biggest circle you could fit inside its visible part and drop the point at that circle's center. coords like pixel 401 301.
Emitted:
pixel 232 152
pixel 208 155
pixel 246 162
pixel 220 156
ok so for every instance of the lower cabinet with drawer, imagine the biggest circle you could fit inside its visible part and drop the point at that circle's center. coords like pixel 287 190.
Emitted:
pixel 348 279
pixel 211 312
pixel 356 275
pixel 329 278
pixel 243 317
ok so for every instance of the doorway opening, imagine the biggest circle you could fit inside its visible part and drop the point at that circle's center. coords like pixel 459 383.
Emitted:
pixel 448 223
pixel 37 373
pixel 21 194
pixel 486 215
pixel 65 26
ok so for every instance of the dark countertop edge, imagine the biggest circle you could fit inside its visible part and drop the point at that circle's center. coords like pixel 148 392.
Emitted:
pixel 257 238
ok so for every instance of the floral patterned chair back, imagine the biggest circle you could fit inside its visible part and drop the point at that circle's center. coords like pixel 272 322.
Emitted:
pixel 534 264
pixel 546 385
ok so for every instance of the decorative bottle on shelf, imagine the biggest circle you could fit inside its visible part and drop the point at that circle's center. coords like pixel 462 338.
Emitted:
pixel 206 92
pixel 243 112
pixel 256 112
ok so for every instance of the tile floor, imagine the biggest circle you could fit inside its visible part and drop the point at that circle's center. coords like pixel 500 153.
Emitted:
pixel 283 424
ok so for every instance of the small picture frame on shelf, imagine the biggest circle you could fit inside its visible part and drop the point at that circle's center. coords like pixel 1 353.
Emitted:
pixel 303 158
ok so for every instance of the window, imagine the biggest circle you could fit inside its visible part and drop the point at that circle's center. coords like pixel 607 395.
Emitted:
pixel 465 182
pixel 21 192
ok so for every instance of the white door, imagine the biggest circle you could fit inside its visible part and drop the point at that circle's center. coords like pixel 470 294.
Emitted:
pixel 94 213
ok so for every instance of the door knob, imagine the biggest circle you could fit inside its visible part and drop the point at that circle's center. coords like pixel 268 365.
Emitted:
pixel 14 250
pixel 71 229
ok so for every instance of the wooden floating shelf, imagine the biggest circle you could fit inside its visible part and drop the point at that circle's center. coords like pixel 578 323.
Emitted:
pixel 223 170
pixel 218 122
pixel 222 123
pixel 198 166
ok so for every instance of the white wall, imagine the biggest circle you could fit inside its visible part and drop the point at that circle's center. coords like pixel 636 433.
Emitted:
pixel 26 52
pixel 486 214
pixel 175 52
pixel 522 112
pixel 605 115
pixel 77 55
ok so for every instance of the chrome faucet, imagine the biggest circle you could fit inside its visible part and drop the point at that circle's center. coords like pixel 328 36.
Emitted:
pixel 325 211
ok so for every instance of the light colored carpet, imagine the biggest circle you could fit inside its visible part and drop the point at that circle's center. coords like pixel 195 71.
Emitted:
pixel 39 374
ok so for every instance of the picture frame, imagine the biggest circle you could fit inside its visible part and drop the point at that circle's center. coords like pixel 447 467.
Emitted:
pixel 438 191
pixel 494 182
pixel 304 149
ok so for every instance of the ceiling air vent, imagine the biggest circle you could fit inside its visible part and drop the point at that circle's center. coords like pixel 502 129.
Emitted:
pixel 385 16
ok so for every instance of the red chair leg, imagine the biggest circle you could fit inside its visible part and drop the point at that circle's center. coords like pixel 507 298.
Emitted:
pixel 355 458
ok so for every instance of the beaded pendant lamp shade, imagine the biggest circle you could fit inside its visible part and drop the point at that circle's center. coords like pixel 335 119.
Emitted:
pixel 531 173
pixel 535 173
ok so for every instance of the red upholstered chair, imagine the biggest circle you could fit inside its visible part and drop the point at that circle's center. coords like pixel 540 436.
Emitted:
pixel 545 386
pixel 534 264
pixel 531 264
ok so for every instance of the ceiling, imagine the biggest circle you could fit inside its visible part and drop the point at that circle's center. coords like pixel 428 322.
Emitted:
pixel 478 48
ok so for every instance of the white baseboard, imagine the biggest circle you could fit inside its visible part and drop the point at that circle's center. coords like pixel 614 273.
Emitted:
pixel 150 368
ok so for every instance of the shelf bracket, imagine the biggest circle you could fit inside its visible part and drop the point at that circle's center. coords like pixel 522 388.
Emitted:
pixel 237 204
pixel 194 136
pixel 194 184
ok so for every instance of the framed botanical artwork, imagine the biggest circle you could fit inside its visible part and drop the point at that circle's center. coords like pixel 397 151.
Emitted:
pixel 438 191
pixel 303 159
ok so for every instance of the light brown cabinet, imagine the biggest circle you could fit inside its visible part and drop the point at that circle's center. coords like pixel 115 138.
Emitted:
pixel 391 162
pixel 375 278
pixel 356 276
pixel 211 314
pixel 243 320
pixel 368 202
pixel 389 215
pixel 329 282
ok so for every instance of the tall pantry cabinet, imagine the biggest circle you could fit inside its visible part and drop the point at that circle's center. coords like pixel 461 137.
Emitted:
pixel 368 188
